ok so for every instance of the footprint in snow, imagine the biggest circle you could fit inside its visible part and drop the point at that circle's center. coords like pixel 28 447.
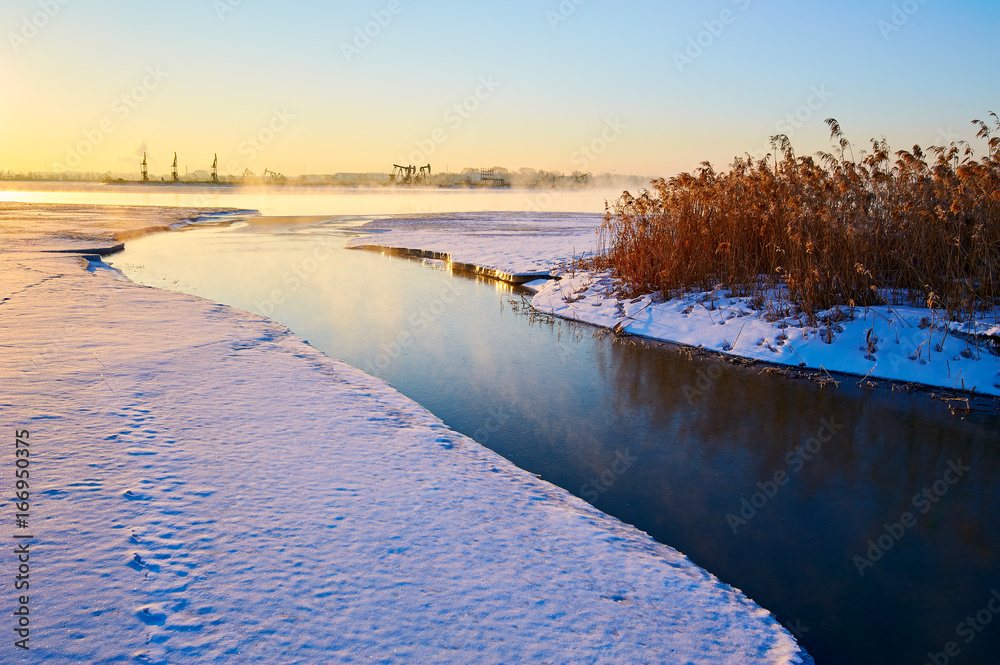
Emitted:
pixel 152 616
pixel 136 563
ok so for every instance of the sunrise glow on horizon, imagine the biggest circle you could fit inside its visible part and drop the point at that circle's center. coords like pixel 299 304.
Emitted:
pixel 578 85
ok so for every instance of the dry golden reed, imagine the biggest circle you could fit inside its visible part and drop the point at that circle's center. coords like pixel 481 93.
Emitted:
pixel 821 232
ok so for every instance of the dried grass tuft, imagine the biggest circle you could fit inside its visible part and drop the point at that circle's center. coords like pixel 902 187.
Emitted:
pixel 821 232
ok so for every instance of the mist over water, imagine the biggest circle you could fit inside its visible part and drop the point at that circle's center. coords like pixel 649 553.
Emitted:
pixel 297 201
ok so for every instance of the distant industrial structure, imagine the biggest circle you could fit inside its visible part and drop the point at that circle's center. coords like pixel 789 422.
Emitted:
pixel 412 175
pixel 401 175
pixel 491 178
pixel 274 176
pixel 200 176
pixel 407 175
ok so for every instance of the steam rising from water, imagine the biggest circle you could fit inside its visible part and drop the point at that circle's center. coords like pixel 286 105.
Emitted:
pixel 299 201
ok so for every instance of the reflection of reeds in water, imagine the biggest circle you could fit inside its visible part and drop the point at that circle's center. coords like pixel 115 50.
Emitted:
pixel 822 232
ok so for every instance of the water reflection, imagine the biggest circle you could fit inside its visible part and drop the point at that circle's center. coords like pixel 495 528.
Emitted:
pixel 700 459
pixel 669 443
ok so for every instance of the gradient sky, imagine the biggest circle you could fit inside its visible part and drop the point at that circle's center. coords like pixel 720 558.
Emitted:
pixel 235 69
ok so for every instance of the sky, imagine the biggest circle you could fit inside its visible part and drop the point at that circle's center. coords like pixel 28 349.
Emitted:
pixel 648 88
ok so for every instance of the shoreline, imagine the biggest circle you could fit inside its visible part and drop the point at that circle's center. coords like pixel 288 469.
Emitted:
pixel 221 452
pixel 645 324
pixel 817 375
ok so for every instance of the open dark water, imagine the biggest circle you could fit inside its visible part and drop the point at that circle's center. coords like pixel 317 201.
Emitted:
pixel 670 444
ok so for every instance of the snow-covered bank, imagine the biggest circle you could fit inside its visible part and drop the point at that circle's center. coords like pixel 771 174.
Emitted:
pixel 207 487
pixel 904 344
